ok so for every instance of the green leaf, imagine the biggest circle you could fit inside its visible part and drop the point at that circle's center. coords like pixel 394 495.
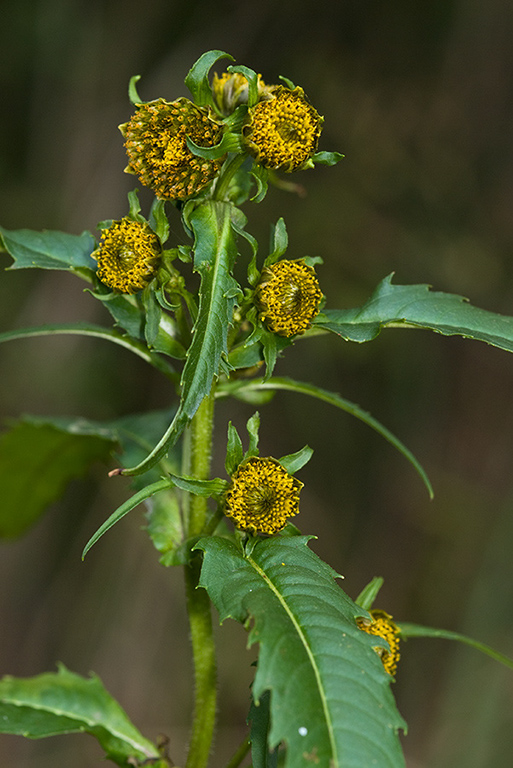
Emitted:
pixel 277 383
pixel 165 526
pixel 280 242
pixel 295 461
pixel 260 719
pixel 369 593
pixel 261 177
pixel 37 461
pixel 331 702
pixel 214 488
pixel 234 450
pixel 214 257
pixel 272 345
pixel 230 142
pixel 49 249
pixel 63 702
pixel 327 158
pixel 96 331
pixel 197 78
pixel 252 78
pixel 158 220
pixel 253 427
pixel 416 630
pixel 134 97
pixel 125 508
pixel 418 306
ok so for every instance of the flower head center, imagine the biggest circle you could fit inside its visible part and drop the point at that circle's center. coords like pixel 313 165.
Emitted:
pixel 261 499
pixel 290 297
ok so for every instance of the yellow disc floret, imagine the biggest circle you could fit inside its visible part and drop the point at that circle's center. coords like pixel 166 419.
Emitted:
pixel 262 496
pixel 283 129
pixel 383 626
pixel 155 141
pixel 288 297
pixel 128 255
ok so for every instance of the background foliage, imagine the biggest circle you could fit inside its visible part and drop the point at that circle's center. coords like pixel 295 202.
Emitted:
pixel 419 98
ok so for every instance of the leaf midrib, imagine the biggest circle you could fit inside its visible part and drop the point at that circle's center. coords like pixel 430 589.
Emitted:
pixel 309 653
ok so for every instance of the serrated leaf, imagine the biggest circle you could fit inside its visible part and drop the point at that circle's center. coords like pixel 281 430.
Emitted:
pixel 49 249
pixel 37 461
pixel 418 306
pixel 331 702
pixel 214 257
pixel 63 702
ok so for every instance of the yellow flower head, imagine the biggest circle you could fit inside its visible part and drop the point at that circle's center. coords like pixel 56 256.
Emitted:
pixel 383 626
pixel 155 141
pixel 288 297
pixel 262 496
pixel 231 89
pixel 283 129
pixel 128 255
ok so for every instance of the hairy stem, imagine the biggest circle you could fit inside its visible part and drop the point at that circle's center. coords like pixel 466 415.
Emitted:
pixel 198 602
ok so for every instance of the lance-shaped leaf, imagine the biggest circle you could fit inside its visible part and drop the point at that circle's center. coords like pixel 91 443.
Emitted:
pixel 48 249
pixel 417 630
pixel 238 387
pixel 331 702
pixel 214 257
pixel 418 306
pixel 96 331
pixel 63 702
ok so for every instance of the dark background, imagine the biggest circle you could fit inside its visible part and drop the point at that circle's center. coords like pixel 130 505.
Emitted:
pixel 419 97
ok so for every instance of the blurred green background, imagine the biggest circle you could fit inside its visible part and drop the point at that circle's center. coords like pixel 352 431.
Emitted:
pixel 419 97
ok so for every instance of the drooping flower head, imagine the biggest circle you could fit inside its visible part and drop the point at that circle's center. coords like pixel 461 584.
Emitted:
pixel 155 141
pixel 288 297
pixel 262 496
pixel 231 89
pixel 128 255
pixel 283 129
pixel 383 626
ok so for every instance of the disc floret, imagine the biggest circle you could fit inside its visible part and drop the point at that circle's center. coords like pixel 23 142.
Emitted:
pixel 128 255
pixel 288 297
pixel 156 144
pixel 262 496
pixel 382 626
pixel 283 129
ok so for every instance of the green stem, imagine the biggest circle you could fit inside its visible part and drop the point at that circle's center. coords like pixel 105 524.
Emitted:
pixel 229 172
pixel 198 602
pixel 240 754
